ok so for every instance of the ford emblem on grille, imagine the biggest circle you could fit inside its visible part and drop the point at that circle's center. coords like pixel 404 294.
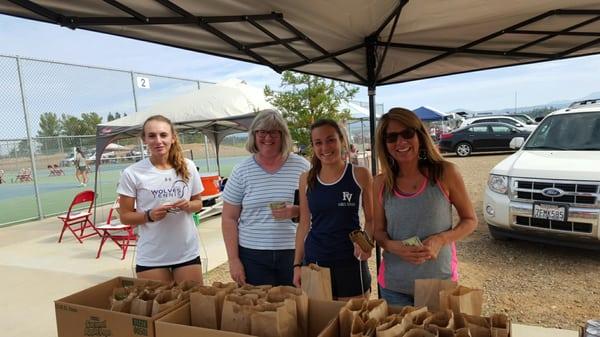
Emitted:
pixel 553 192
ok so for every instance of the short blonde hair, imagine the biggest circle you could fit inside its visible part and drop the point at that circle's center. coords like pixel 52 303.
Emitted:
pixel 270 120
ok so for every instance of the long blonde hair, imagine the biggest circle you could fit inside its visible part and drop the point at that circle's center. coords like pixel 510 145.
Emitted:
pixel 175 156
pixel 431 162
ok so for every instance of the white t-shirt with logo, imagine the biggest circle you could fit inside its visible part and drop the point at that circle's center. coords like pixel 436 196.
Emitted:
pixel 174 239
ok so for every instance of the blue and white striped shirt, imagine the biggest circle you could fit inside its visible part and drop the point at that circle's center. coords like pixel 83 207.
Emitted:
pixel 252 188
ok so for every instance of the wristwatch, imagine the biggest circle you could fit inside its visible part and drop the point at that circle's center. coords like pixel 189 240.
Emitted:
pixel 148 215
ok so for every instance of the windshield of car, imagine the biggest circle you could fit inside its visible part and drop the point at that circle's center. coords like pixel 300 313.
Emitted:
pixel 568 132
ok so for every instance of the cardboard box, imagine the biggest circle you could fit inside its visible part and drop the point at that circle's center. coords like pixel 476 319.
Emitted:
pixel 87 314
pixel 178 322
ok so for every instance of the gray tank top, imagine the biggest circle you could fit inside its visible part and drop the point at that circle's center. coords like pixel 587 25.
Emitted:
pixel 423 214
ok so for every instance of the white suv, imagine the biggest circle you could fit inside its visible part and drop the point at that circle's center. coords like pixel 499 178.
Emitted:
pixel 549 190
pixel 501 119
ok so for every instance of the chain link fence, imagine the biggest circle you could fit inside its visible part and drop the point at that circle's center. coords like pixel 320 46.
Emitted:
pixel 37 175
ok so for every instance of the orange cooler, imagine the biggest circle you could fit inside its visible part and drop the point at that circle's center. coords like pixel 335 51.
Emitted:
pixel 210 181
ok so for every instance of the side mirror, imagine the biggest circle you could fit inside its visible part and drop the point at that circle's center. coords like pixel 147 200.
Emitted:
pixel 516 143
pixel 529 122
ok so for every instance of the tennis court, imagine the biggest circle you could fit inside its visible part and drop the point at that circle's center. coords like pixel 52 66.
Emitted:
pixel 18 202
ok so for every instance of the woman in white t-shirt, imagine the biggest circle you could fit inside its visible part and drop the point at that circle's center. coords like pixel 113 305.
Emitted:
pixel 160 193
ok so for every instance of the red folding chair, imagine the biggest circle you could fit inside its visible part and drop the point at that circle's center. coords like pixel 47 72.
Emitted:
pixel 122 235
pixel 77 220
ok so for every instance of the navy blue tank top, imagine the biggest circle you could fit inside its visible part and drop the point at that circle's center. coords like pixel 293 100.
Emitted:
pixel 334 214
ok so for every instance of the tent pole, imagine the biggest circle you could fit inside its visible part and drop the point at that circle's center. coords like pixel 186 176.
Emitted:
pixel 371 58
pixel 206 153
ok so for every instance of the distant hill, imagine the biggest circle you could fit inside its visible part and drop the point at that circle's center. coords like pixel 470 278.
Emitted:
pixel 558 104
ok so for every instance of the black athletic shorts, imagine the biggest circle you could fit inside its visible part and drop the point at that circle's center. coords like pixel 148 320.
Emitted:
pixel 139 269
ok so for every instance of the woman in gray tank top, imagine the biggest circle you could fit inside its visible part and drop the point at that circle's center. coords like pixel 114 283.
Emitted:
pixel 413 202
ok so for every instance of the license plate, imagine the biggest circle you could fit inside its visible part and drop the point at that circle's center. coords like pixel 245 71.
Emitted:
pixel 550 212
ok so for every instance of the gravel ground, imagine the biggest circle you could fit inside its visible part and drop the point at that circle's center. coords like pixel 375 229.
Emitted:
pixel 532 283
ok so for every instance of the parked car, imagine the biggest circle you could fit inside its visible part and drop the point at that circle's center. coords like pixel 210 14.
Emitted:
pixel 480 137
pixel 500 119
pixel 549 191
pixel 105 157
pixel 68 160
pixel 524 118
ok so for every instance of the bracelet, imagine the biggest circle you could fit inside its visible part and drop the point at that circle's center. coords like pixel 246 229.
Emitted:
pixel 298 265
pixel 148 215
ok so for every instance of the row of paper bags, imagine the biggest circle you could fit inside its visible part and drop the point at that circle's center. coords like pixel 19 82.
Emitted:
pixel 150 298
pixel 373 318
pixel 255 310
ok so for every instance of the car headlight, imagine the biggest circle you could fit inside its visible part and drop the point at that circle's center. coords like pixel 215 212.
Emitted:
pixel 498 183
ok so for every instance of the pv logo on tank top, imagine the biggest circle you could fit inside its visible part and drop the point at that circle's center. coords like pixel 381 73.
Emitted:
pixel 346 200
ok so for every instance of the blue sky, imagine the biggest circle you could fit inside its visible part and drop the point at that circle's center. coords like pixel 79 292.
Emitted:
pixel 484 90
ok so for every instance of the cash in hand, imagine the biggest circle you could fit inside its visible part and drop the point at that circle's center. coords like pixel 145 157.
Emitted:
pixel 413 241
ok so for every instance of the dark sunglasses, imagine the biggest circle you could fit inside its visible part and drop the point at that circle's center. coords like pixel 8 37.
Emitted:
pixel 392 137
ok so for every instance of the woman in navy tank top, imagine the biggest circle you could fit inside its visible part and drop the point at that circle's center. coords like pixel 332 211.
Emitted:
pixel 331 195
pixel 414 197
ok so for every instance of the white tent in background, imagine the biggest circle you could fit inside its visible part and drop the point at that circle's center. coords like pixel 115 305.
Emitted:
pixel 357 113
pixel 215 110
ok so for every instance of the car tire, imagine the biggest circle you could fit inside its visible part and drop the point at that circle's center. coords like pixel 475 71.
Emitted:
pixel 463 149
pixel 495 234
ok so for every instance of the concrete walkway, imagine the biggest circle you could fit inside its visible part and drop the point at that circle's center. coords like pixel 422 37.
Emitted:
pixel 36 270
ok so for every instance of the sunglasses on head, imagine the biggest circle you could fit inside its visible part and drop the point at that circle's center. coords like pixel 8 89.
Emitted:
pixel 392 137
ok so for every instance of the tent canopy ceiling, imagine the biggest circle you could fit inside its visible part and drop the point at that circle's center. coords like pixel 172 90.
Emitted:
pixel 373 42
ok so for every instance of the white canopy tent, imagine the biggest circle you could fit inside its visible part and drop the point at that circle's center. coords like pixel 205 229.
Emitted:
pixel 215 110
pixel 369 43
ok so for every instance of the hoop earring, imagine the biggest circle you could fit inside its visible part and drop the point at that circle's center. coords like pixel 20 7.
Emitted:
pixel 422 154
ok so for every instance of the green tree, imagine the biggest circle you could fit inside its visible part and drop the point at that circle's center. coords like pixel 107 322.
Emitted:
pixel 307 98
pixel 89 122
pixel 49 125
pixel 110 117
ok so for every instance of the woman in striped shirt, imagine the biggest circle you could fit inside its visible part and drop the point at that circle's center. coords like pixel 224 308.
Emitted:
pixel 258 205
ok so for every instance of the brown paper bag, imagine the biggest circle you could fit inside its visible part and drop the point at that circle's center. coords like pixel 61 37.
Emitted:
pixel 347 313
pixel 377 309
pixel 247 289
pixel 274 319
pixel 301 300
pixel 121 298
pixel 316 282
pixel 206 306
pixel 418 320
pixel 227 287
pixel 427 292
pixel 392 326
pixel 462 300
pixel 142 304
pixel 478 331
pixel 499 325
pixel 418 332
pixel 442 319
pixel 237 311
pixel 165 300
pixel 288 303
pixel 462 332
pixel 363 329
pixel 439 332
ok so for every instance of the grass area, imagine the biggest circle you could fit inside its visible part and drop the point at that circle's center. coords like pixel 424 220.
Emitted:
pixel 18 202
